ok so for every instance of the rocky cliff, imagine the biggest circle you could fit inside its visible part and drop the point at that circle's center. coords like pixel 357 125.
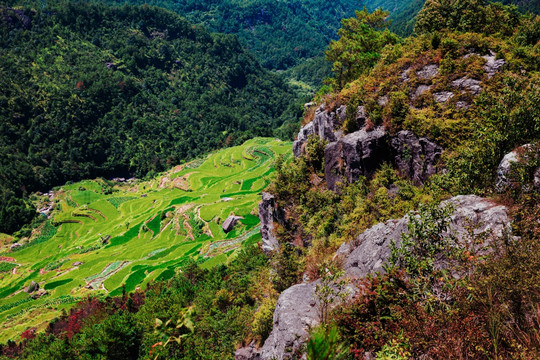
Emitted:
pixel 297 308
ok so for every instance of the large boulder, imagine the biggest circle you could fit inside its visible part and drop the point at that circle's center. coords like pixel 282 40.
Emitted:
pixel 268 214
pixel 371 250
pixel 228 224
pixel 415 157
pixel 296 312
pixel 357 154
pixel 504 170
pixel 297 307
pixel 33 287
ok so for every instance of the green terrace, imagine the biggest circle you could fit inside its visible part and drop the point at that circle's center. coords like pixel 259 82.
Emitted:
pixel 104 238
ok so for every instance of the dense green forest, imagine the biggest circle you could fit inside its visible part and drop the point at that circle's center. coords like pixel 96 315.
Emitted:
pixel 280 34
pixel 90 90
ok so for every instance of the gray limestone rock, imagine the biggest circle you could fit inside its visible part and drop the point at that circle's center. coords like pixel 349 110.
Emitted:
pixel 250 352
pixel 428 72
pixel 462 105
pixel 443 96
pixel 503 180
pixel 465 83
pixel 228 224
pixel 268 213
pixel 328 124
pixel 370 251
pixel 505 177
pixel 420 90
pixel 405 75
pixel 297 307
pixel 361 117
pixel 357 154
pixel 296 312
pixel 415 157
pixel 492 65
pixel 298 144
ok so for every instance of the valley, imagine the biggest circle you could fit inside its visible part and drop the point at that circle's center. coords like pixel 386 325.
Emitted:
pixel 104 238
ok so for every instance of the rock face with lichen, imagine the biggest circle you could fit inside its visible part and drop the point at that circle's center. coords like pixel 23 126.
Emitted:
pixel 297 308
pixel 295 313
pixel 360 153
pixel 268 214
pixel 357 154
pixel 370 251
pixel 415 157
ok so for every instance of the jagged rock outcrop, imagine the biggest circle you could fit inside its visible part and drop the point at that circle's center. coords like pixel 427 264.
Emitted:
pixel 250 352
pixel 370 251
pixel 468 84
pixel 360 153
pixel 357 154
pixel 297 307
pixel 415 157
pixel 229 223
pixel 326 124
pixel 505 177
pixel 492 65
pixel 299 143
pixel 268 214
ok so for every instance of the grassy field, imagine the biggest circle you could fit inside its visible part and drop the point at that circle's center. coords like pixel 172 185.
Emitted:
pixel 102 237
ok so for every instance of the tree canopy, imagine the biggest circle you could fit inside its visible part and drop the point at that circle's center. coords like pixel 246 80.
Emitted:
pixel 361 39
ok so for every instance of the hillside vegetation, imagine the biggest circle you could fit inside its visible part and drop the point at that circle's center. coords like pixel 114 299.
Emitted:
pixel 405 124
pixel 469 82
pixel 107 238
pixel 89 90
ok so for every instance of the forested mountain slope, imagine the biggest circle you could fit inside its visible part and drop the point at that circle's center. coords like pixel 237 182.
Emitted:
pixel 280 34
pixel 89 90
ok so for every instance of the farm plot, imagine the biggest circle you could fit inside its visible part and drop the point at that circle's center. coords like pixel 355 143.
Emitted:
pixel 104 237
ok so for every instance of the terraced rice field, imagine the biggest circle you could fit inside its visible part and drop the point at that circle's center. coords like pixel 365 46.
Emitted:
pixel 100 239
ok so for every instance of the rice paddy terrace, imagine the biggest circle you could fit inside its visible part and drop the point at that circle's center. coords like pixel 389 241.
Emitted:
pixel 102 237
